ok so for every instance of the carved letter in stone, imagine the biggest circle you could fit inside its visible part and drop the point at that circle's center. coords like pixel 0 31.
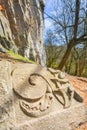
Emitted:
pixel 35 94
pixel 37 87
pixel 65 91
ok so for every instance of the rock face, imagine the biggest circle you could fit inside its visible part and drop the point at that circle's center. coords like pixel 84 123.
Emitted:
pixel 33 97
pixel 21 27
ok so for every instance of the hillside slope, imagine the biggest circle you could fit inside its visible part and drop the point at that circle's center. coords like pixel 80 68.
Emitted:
pixel 80 84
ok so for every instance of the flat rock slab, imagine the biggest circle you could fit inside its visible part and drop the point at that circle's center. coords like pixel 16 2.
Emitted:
pixel 22 110
pixel 67 119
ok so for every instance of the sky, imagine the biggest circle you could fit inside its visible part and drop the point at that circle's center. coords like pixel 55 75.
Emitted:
pixel 48 7
pixel 49 10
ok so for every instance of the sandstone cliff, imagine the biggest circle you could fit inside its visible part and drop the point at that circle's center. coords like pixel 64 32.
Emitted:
pixel 21 27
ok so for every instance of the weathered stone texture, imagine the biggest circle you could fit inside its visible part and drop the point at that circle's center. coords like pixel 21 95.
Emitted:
pixel 67 119
pixel 33 97
pixel 7 119
pixel 21 23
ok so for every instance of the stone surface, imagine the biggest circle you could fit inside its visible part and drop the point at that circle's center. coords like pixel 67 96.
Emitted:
pixel 7 117
pixel 33 97
pixel 68 119
pixel 21 26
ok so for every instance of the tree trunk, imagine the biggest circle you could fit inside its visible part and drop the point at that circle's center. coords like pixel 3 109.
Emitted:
pixel 71 59
pixel 76 67
pixel 65 57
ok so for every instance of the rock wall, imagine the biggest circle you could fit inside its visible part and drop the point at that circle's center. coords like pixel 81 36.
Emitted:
pixel 21 27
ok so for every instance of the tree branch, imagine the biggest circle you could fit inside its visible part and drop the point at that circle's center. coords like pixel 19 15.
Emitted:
pixel 76 18
pixel 81 38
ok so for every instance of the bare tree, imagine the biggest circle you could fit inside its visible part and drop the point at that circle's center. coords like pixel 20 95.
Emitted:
pixel 69 25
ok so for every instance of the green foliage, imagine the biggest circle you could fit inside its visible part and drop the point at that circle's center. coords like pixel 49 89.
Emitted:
pixel 19 57
pixel 85 72
pixel 76 64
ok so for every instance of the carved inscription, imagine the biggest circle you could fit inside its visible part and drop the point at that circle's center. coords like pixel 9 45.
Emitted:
pixel 37 90
pixel 38 100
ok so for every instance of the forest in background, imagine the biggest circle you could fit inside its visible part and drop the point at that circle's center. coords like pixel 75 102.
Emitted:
pixel 66 39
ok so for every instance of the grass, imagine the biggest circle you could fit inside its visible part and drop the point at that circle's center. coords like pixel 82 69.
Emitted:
pixel 19 57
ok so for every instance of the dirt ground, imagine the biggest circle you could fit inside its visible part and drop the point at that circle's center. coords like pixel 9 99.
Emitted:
pixel 80 85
